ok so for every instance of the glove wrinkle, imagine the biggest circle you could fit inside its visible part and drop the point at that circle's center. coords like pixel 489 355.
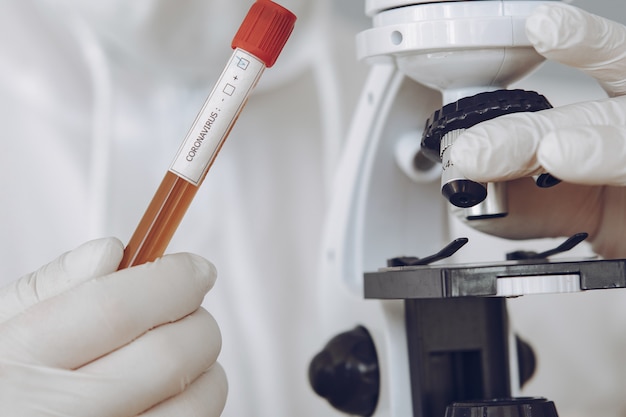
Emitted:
pixel 92 259
pixel 208 391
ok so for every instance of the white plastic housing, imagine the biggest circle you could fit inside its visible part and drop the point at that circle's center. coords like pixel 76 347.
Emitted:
pixel 460 48
pixel 376 6
pixel 377 212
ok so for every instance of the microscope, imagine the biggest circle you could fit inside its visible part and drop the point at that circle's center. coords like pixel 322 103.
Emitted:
pixel 440 345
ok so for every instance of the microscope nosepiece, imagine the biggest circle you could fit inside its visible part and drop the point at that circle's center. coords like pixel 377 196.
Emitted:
pixel 446 125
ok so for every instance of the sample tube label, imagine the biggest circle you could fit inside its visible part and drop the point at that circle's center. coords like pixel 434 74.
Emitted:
pixel 213 123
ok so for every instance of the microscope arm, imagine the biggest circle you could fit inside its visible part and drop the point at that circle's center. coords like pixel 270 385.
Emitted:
pixel 376 213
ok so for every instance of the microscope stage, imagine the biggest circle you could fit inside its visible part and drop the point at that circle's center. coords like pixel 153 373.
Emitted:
pixel 505 279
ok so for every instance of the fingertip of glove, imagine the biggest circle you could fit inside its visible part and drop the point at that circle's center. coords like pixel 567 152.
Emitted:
pixel 204 268
pixel 221 377
pixel 569 154
pixel 185 268
pixel 550 25
pixel 590 155
pixel 112 246
pixel 96 257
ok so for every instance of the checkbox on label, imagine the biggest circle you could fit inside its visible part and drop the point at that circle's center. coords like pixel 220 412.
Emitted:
pixel 243 63
pixel 229 89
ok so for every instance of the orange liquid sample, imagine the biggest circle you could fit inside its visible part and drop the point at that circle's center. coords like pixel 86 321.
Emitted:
pixel 160 221
pixel 264 31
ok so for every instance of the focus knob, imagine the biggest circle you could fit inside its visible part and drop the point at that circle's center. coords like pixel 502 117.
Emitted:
pixel 346 373
pixel 447 123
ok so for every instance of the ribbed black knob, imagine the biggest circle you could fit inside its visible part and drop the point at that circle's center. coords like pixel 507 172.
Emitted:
pixel 470 111
pixel 447 123
pixel 346 373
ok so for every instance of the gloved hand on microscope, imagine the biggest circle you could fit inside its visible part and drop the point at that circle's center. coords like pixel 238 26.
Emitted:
pixel 582 144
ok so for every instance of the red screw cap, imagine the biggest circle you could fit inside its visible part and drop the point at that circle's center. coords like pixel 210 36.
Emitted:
pixel 265 31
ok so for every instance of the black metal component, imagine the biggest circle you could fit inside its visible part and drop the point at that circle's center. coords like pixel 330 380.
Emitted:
pixel 444 253
pixel 514 407
pixel 470 111
pixel 346 373
pixel 458 351
pixel 569 244
pixel 526 360
pixel 547 181
pixel 463 114
pixel 476 280
pixel 464 193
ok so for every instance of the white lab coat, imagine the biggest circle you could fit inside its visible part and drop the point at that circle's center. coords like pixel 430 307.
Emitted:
pixel 87 134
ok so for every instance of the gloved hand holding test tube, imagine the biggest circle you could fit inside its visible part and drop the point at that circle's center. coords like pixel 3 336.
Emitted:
pixel 257 45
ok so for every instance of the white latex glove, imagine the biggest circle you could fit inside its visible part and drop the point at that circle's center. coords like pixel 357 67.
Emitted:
pixel 79 339
pixel 582 144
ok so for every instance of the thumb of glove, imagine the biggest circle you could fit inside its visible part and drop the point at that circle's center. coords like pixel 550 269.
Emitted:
pixel 90 260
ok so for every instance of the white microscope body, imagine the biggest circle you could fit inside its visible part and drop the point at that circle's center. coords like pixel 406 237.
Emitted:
pixel 387 198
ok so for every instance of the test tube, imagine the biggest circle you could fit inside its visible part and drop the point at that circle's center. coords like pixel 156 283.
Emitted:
pixel 257 44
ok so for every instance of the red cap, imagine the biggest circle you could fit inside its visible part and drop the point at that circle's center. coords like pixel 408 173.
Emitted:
pixel 265 31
